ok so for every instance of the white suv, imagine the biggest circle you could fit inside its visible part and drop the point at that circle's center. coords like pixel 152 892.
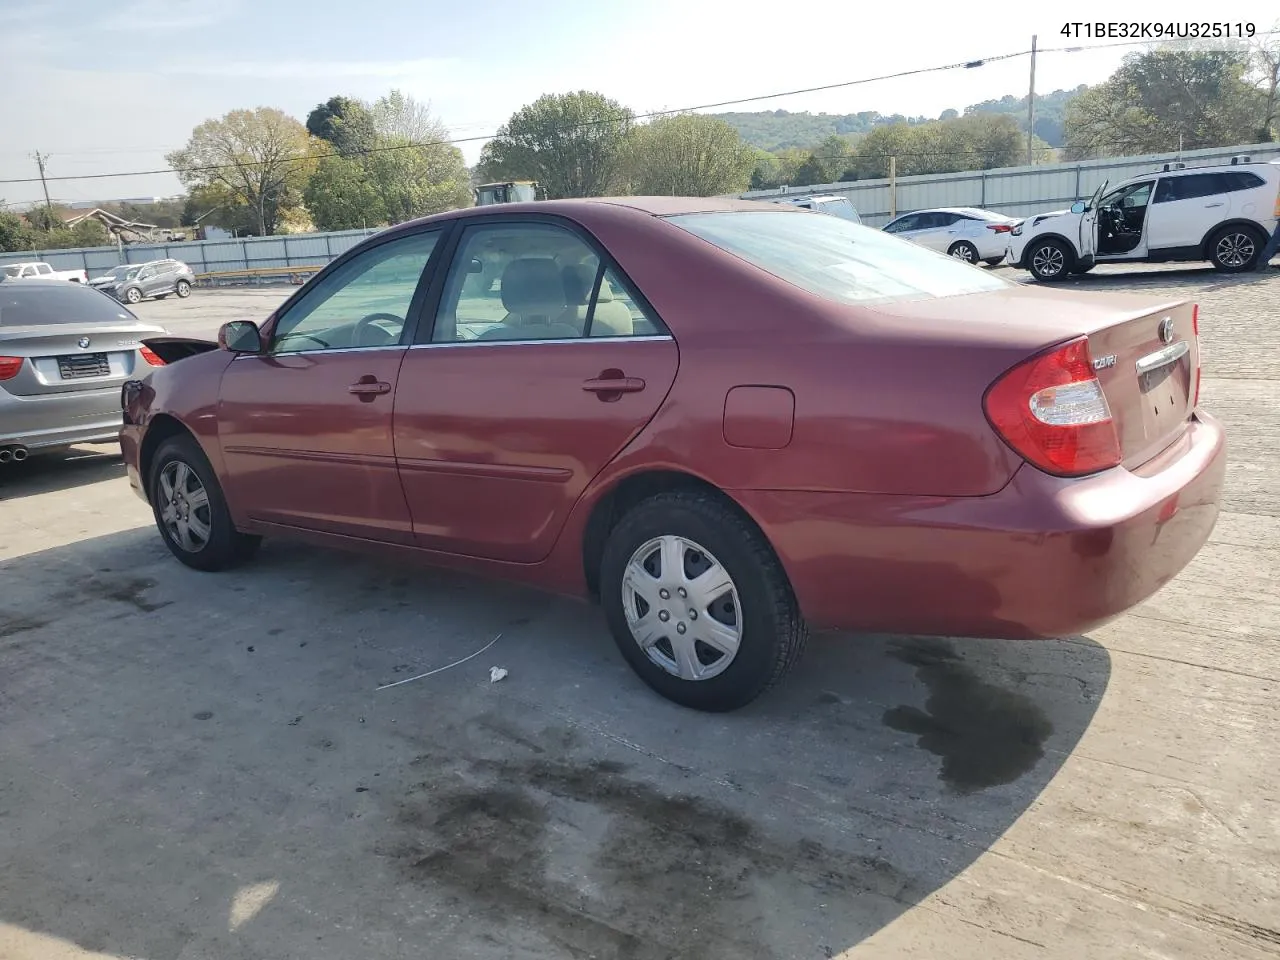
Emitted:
pixel 1222 214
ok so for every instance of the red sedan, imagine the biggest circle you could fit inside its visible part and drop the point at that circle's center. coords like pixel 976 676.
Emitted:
pixel 727 421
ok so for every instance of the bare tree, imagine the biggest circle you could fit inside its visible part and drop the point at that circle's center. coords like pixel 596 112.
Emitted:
pixel 398 116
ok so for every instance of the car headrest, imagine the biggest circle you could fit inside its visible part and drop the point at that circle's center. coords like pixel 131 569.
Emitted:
pixel 579 278
pixel 533 286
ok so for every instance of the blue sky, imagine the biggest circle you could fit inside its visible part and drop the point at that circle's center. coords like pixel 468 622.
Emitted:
pixel 107 87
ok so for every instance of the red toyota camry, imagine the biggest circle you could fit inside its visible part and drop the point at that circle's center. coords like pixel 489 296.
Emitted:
pixel 726 421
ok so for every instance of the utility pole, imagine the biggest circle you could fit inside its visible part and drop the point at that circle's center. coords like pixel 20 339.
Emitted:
pixel 893 187
pixel 1031 105
pixel 40 160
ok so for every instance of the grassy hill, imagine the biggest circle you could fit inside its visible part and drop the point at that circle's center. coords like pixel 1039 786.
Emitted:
pixel 775 130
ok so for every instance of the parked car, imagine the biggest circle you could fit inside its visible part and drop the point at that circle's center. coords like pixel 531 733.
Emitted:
pixel 65 351
pixel 1223 214
pixel 966 233
pixel 726 420
pixel 41 271
pixel 832 204
pixel 133 282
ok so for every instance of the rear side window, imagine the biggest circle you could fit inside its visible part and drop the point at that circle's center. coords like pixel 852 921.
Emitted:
pixel 25 305
pixel 1242 180
pixel 836 259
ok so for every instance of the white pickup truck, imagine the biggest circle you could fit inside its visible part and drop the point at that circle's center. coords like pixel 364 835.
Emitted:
pixel 42 271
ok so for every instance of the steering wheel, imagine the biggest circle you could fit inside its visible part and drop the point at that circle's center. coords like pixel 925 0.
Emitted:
pixel 357 335
pixel 299 336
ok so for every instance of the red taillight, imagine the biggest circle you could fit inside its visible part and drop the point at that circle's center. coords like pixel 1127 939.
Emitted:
pixel 1051 410
pixel 1000 227
pixel 9 367
pixel 150 356
pixel 1195 328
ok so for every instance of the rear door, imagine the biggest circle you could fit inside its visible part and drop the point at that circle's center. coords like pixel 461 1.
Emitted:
pixel 523 390
pixel 1185 208
pixel 306 427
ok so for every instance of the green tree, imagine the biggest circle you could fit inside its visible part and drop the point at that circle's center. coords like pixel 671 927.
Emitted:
pixel 341 196
pixel 15 233
pixel 90 233
pixel 1164 98
pixel 261 157
pixel 44 218
pixel 344 123
pixel 689 154
pixel 417 181
pixel 215 206
pixel 571 143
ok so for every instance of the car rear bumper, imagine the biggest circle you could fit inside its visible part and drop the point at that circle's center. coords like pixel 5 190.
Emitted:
pixel 1044 557
pixel 60 419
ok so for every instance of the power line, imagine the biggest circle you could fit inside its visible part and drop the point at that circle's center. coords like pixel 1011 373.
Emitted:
pixel 620 118
pixel 962 65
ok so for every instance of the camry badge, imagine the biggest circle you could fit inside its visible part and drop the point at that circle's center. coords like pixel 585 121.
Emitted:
pixel 1166 330
pixel 84 343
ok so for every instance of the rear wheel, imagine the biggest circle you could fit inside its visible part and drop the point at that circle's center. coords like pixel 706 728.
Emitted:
pixel 190 510
pixel 698 603
pixel 964 250
pixel 1049 260
pixel 183 289
pixel 1234 249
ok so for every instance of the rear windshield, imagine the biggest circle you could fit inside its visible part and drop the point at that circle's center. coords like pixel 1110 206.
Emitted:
pixel 837 259
pixel 30 303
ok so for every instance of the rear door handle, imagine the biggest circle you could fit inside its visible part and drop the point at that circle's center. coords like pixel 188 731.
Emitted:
pixel 1210 206
pixel 614 385
pixel 368 388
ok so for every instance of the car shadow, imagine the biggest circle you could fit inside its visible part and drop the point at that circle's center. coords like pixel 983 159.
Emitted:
pixel 175 745
pixel 46 472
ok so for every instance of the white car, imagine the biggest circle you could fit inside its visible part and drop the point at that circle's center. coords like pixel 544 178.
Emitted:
pixel 965 233
pixel 1223 214
pixel 41 271
pixel 831 204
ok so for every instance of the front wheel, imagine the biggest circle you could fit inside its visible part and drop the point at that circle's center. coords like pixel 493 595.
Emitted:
pixel 964 250
pixel 183 289
pixel 190 510
pixel 698 603
pixel 133 295
pixel 1234 249
pixel 1049 260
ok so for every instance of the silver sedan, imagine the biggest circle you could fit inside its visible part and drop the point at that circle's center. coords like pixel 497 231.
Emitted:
pixel 65 352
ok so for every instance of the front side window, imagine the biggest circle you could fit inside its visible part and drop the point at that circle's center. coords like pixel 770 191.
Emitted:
pixel 363 303
pixel 44 270
pixel 1133 195
pixel 519 281
pixel 836 259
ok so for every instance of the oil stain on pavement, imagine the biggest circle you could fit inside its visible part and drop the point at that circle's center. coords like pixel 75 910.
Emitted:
pixel 986 735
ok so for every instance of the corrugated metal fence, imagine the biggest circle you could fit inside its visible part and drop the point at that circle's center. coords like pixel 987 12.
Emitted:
pixel 1015 191
pixel 207 256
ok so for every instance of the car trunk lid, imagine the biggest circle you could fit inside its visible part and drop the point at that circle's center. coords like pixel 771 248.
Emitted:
pixel 84 357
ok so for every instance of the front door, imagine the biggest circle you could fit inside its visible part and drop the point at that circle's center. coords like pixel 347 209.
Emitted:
pixel 306 426
pixel 524 389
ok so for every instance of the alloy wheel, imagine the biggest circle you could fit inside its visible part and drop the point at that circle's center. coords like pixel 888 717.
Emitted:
pixel 1048 261
pixel 184 507
pixel 1235 249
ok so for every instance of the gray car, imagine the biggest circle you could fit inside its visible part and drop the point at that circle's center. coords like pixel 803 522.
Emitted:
pixel 65 352
pixel 134 282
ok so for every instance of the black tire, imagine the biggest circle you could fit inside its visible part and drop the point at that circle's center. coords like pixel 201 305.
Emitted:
pixel 226 546
pixel 993 261
pixel 183 289
pixel 772 631
pixel 133 295
pixel 963 250
pixel 1049 260
pixel 1235 249
pixel 1081 268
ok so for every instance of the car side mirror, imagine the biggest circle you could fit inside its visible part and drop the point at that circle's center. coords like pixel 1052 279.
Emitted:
pixel 240 336
pixel 1079 207
pixel 475 266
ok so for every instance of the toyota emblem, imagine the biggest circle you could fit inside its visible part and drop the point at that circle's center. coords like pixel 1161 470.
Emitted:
pixel 1166 330
pixel 84 343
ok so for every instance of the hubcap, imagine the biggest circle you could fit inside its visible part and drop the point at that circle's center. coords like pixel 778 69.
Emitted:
pixel 1235 249
pixel 1047 261
pixel 184 507
pixel 682 608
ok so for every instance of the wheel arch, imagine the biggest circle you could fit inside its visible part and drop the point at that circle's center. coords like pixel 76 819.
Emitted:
pixel 162 427
pixel 1060 237
pixel 624 492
